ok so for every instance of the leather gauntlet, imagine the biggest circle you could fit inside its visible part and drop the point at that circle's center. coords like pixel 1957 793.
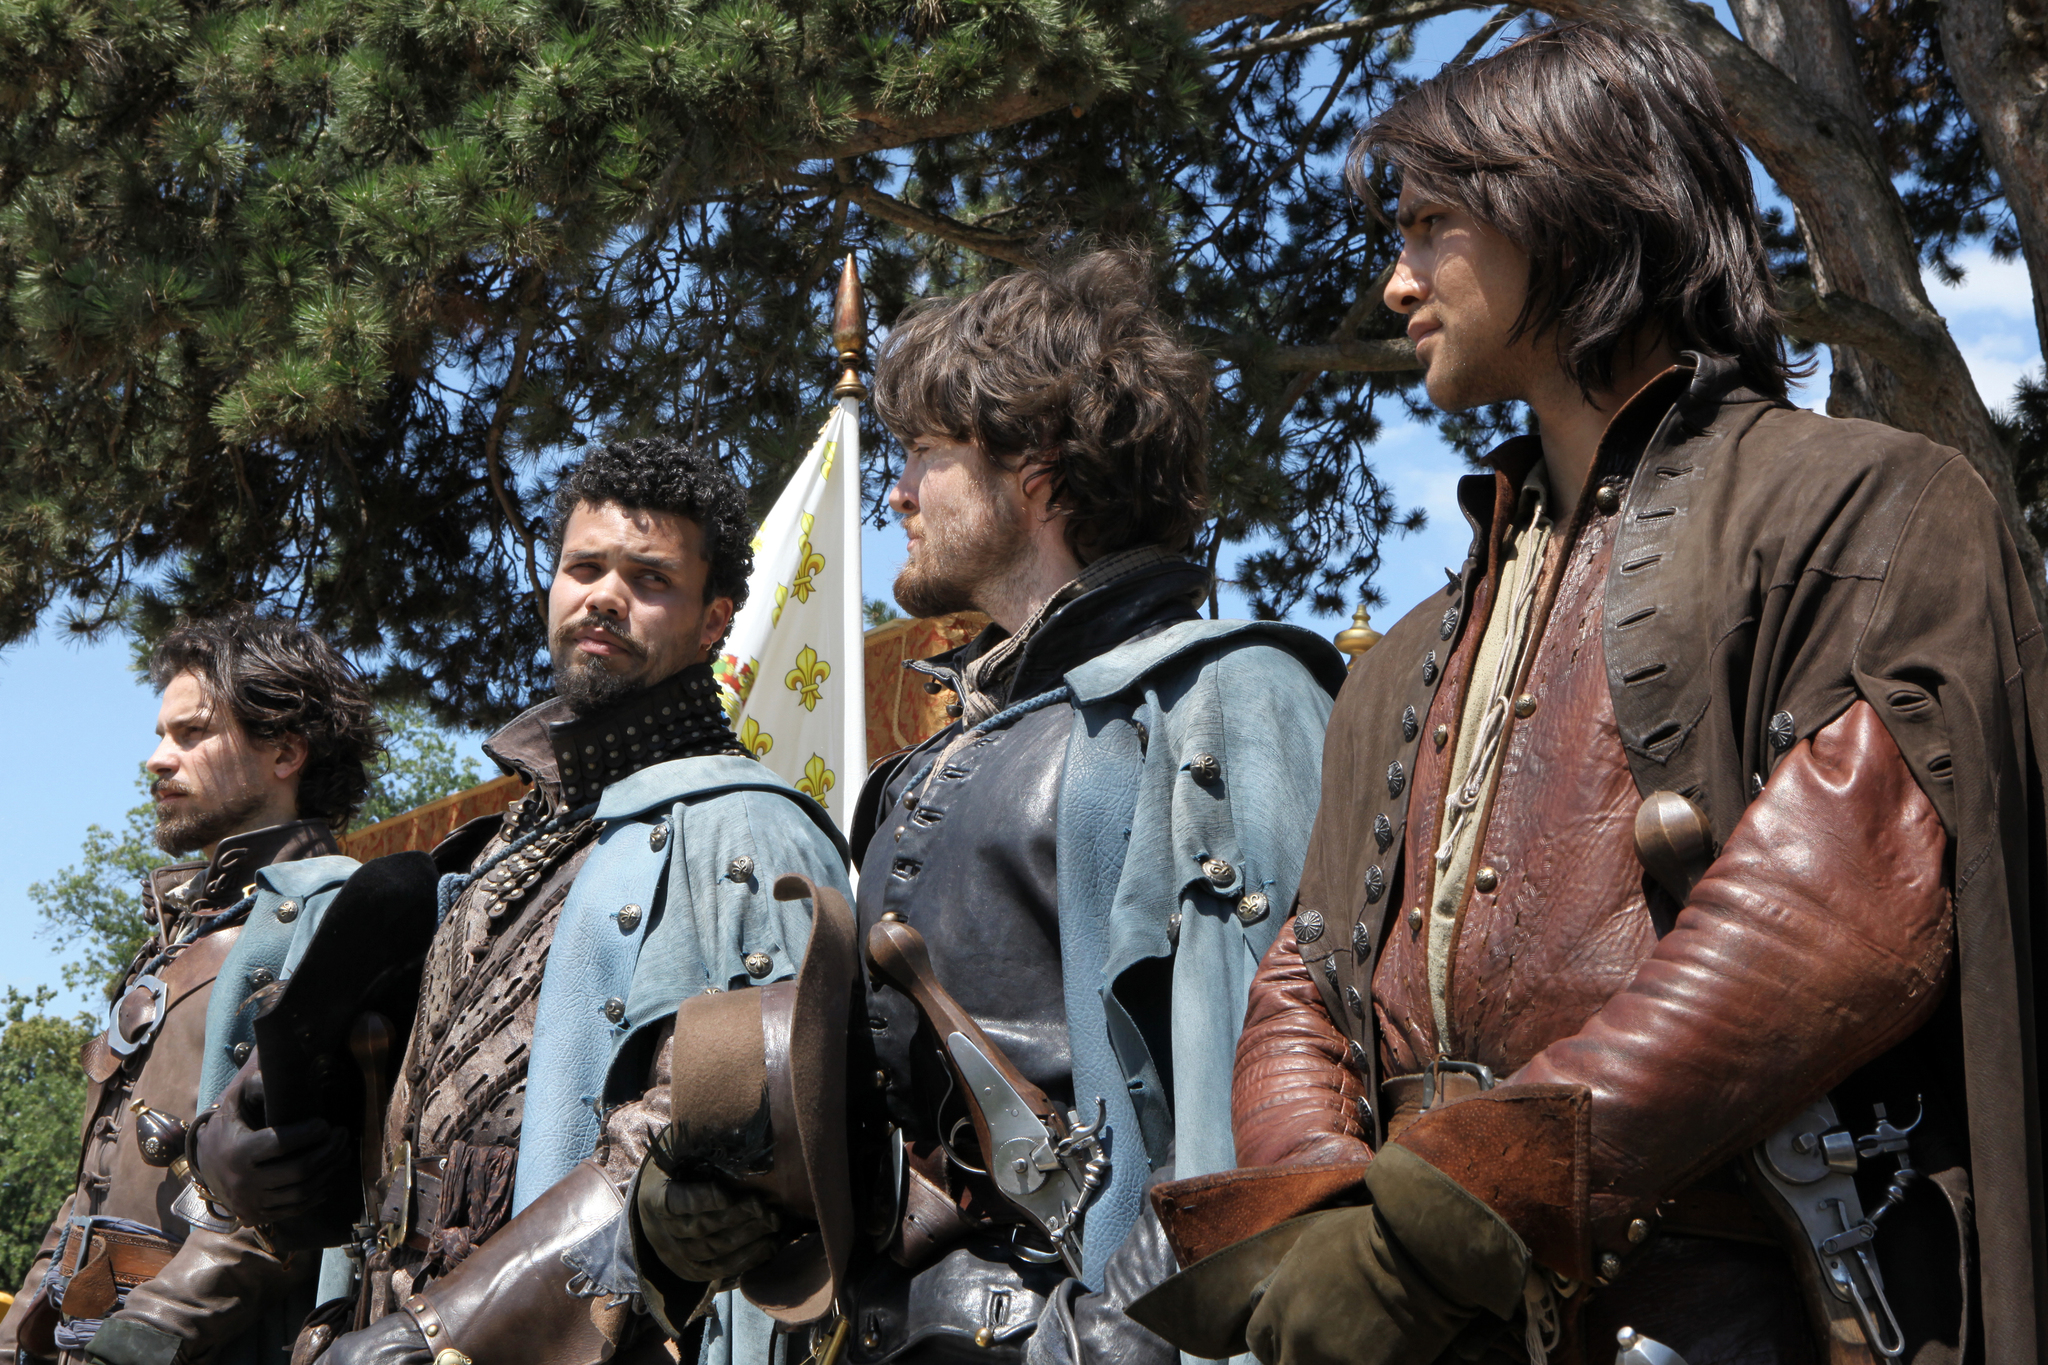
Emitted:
pixel 1293 1098
pixel 509 1302
pixel 1821 937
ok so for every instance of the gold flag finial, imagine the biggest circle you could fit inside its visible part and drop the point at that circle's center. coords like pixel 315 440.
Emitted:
pixel 850 334
pixel 1359 637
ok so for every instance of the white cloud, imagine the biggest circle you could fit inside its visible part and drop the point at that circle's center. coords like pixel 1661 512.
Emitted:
pixel 1990 288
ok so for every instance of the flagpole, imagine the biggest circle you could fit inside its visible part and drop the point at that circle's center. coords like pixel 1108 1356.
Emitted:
pixel 850 339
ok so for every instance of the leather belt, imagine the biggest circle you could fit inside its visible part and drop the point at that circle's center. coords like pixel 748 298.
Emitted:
pixel 1407 1098
pixel 409 1202
pixel 132 1256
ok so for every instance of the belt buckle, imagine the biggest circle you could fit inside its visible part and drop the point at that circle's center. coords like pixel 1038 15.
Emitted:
pixel 1478 1071
pixel 394 1219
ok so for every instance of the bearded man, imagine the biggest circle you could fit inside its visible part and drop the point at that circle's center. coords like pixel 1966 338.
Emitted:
pixel 1670 902
pixel 637 871
pixel 266 737
pixel 1094 853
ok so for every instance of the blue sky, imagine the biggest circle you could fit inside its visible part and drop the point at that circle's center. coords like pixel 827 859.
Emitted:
pixel 80 723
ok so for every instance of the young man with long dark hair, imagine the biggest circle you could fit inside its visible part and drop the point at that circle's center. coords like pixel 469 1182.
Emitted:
pixel 1678 856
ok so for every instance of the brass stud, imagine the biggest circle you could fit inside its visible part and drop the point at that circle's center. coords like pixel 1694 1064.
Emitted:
pixel 1607 497
pixel 1486 879
pixel 1204 768
pixel 657 838
pixel 1638 1231
pixel 758 964
pixel 1415 920
pixel 615 1009
pixel 881 1080
pixel 433 1329
pixel 629 918
pixel 1253 907
pixel 985 1337
pixel 1525 705
pixel 240 1052
pixel 1218 872
pixel 1610 1265
pixel 1441 736
pixel 287 911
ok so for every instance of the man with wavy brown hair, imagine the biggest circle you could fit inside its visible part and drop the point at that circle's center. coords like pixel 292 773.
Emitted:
pixel 1664 960
pixel 1093 852
pixel 266 736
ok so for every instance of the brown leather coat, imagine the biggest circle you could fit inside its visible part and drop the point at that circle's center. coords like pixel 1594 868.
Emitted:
pixel 114 1179
pixel 1720 618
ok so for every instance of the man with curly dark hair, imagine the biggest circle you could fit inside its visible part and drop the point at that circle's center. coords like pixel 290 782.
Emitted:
pixel 1095 853
pixel 637 871
pixel 266 740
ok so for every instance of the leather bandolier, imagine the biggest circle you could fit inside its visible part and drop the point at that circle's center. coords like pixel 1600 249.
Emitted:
pixel 117 1230
pixel 1697 1012
pixel 452 1128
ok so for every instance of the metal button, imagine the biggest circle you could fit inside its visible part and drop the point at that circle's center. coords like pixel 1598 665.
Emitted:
pixel 1218 872
pixel 1449 626
pixel 1361 939
pixel 1355 1055
pixel 1204 768
pixel 1486 879
pixel 657 838
pixel 1409 724
pixel 1441 736
pixel 615 1009
pixel 287 911
pixel 1429 668
pixel 1355 1001
pixel 758 964
pixel 1415 919
pixel 740 869
pixel 1253 907
pixel 1610 1266
pixel 1383 832
pixel 1397 778
pixel 1781 731
pixel 1756 785
pixel 1375 884
pixel 953 709
pixel 629 918
pixel 240 1052
pixel 1173 928
pixel 1638 1231
pixel 1607 497
pixel 261 977
pixel 1525 706
pixel 1308 926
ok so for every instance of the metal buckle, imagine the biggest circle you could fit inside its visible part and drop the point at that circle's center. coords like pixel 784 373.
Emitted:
pixel 1479 1071
pixel 120 1046
pixel 394 1216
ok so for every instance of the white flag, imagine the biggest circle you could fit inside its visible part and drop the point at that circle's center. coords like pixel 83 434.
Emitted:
pixel 794 685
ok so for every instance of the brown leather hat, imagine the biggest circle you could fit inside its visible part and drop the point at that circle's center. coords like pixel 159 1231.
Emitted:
pixel 759 1089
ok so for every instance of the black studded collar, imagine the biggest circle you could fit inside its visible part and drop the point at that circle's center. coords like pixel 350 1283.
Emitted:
pixel 574 758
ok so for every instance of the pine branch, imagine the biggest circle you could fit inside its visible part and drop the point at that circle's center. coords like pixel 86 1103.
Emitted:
pixel 995 245
pixel 1347 28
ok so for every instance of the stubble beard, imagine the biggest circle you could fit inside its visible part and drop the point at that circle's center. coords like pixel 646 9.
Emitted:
pixel 193 829
pixel 961 556
pixel 583 681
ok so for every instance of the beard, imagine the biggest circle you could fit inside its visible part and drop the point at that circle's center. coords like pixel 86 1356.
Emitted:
pixel 192 829
pixel 962 553
pixel 582 681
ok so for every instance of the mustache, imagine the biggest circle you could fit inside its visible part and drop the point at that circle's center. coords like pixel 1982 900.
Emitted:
pixel 566 636
pixel 164 786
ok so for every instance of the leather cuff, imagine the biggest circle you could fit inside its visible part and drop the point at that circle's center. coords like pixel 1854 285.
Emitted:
pixel 514 1289
pixel 1525 1152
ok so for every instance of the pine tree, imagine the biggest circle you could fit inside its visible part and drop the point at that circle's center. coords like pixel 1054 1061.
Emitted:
pixel 303 300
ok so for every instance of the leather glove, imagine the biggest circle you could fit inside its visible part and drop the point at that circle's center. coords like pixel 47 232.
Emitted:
pixel 703 1230
pixel 265 1175
pixel 1394 1282
pixel 394 1339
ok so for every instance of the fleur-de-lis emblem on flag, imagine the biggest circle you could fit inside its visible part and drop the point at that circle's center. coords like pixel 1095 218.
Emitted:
pixel 754 739
pixel 809 563
pixel 806 678
pixel 781 601
pixel 816 781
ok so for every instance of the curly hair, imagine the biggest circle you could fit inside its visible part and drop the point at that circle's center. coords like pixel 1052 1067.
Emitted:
pixel 1071 366
pixel 1602 149
pixel 661 474
pixel 275 678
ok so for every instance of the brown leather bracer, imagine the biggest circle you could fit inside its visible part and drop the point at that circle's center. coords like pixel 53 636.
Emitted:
pixel 1293 1097
pixel 1821 937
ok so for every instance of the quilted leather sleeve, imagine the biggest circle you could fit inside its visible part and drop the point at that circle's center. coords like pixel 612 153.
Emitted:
pixel 1293 1098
